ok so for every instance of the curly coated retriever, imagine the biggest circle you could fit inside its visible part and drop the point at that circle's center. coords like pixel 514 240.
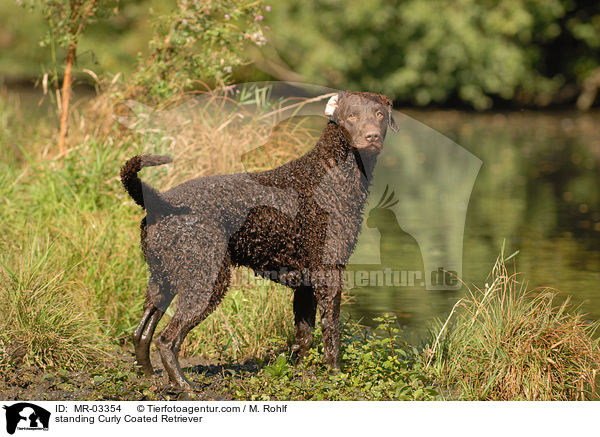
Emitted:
pixel 296 224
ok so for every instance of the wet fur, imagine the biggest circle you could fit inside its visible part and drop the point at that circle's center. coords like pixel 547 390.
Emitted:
pixel 297 225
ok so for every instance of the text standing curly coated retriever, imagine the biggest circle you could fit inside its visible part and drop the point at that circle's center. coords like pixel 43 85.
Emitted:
pixel 297 225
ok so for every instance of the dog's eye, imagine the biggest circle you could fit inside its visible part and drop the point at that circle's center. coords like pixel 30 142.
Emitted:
pixel 352 117
pixel 379 114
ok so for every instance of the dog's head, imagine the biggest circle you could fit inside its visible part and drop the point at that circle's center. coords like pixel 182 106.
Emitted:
pixel 364 116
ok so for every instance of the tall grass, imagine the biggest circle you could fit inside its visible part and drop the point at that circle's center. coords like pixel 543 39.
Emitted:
pixel 507 343
pixel 46 321
pixel 72 276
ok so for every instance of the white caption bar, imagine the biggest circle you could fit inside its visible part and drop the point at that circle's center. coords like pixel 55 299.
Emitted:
pixel 296 418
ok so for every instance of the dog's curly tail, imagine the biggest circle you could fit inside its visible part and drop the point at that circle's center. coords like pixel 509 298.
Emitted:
pixel 142 193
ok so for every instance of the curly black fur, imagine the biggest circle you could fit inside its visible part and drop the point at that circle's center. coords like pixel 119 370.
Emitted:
pixel 297 225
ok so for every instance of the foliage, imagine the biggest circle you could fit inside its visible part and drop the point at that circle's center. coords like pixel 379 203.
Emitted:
pixel 380 376
pixel 584 28
pixel 73 276
pixel 417 51
pixel 504 343
pixel 95 266
pixel 251 323
pixel 67 19
pixel 376 365
pixel 44 322
pixel 429 51
pixel 108 46
pixel 199 43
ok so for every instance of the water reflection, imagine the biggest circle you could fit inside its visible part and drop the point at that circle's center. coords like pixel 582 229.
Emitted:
pixel 538 189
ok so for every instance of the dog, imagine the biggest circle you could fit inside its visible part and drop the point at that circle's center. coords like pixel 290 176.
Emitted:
pixel 296 224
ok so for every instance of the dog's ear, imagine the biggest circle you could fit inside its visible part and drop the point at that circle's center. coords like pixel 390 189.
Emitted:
pixel 332 106
pixel 391 120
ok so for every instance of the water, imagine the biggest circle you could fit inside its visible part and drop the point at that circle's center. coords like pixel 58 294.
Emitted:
pixel 538 189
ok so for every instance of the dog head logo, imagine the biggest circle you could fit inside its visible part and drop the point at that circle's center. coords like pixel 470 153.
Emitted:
pixel 26 416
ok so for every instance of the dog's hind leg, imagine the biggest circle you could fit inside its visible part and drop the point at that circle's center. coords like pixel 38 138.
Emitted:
pixel 154 308
pixel 144 338
pixel 142 358
pixel 196 302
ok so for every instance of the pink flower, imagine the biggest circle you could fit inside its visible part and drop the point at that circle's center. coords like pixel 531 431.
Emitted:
pixel 268 8
pixel 227 16
pixel 259 18
pixel 267 27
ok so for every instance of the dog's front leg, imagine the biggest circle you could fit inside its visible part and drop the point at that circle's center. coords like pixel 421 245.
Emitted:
pixel 305 308
pixel 329 297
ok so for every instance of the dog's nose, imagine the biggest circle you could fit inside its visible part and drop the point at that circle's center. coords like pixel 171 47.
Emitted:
pixel 372 136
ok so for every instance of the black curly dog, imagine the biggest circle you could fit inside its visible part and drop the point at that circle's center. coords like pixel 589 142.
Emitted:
pixel 297 225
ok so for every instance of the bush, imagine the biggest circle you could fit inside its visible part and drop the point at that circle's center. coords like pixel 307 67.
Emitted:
pixel 198 45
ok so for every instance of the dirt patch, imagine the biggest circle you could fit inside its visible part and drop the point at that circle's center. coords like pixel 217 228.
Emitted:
pixel 120 380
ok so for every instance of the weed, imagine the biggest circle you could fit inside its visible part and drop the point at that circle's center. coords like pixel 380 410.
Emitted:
pixel 374 367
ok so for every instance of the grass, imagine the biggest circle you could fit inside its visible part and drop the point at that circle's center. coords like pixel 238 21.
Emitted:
pixel 253 322
pixel 45 321
pixel 375 366
pixel 505 342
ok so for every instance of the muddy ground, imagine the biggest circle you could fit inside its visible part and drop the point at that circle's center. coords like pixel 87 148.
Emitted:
pixel 121 380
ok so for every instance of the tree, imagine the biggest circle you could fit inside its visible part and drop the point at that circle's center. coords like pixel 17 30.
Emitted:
pixel 67 19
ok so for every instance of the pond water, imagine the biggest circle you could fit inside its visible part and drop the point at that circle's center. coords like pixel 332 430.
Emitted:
pixel 537 190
